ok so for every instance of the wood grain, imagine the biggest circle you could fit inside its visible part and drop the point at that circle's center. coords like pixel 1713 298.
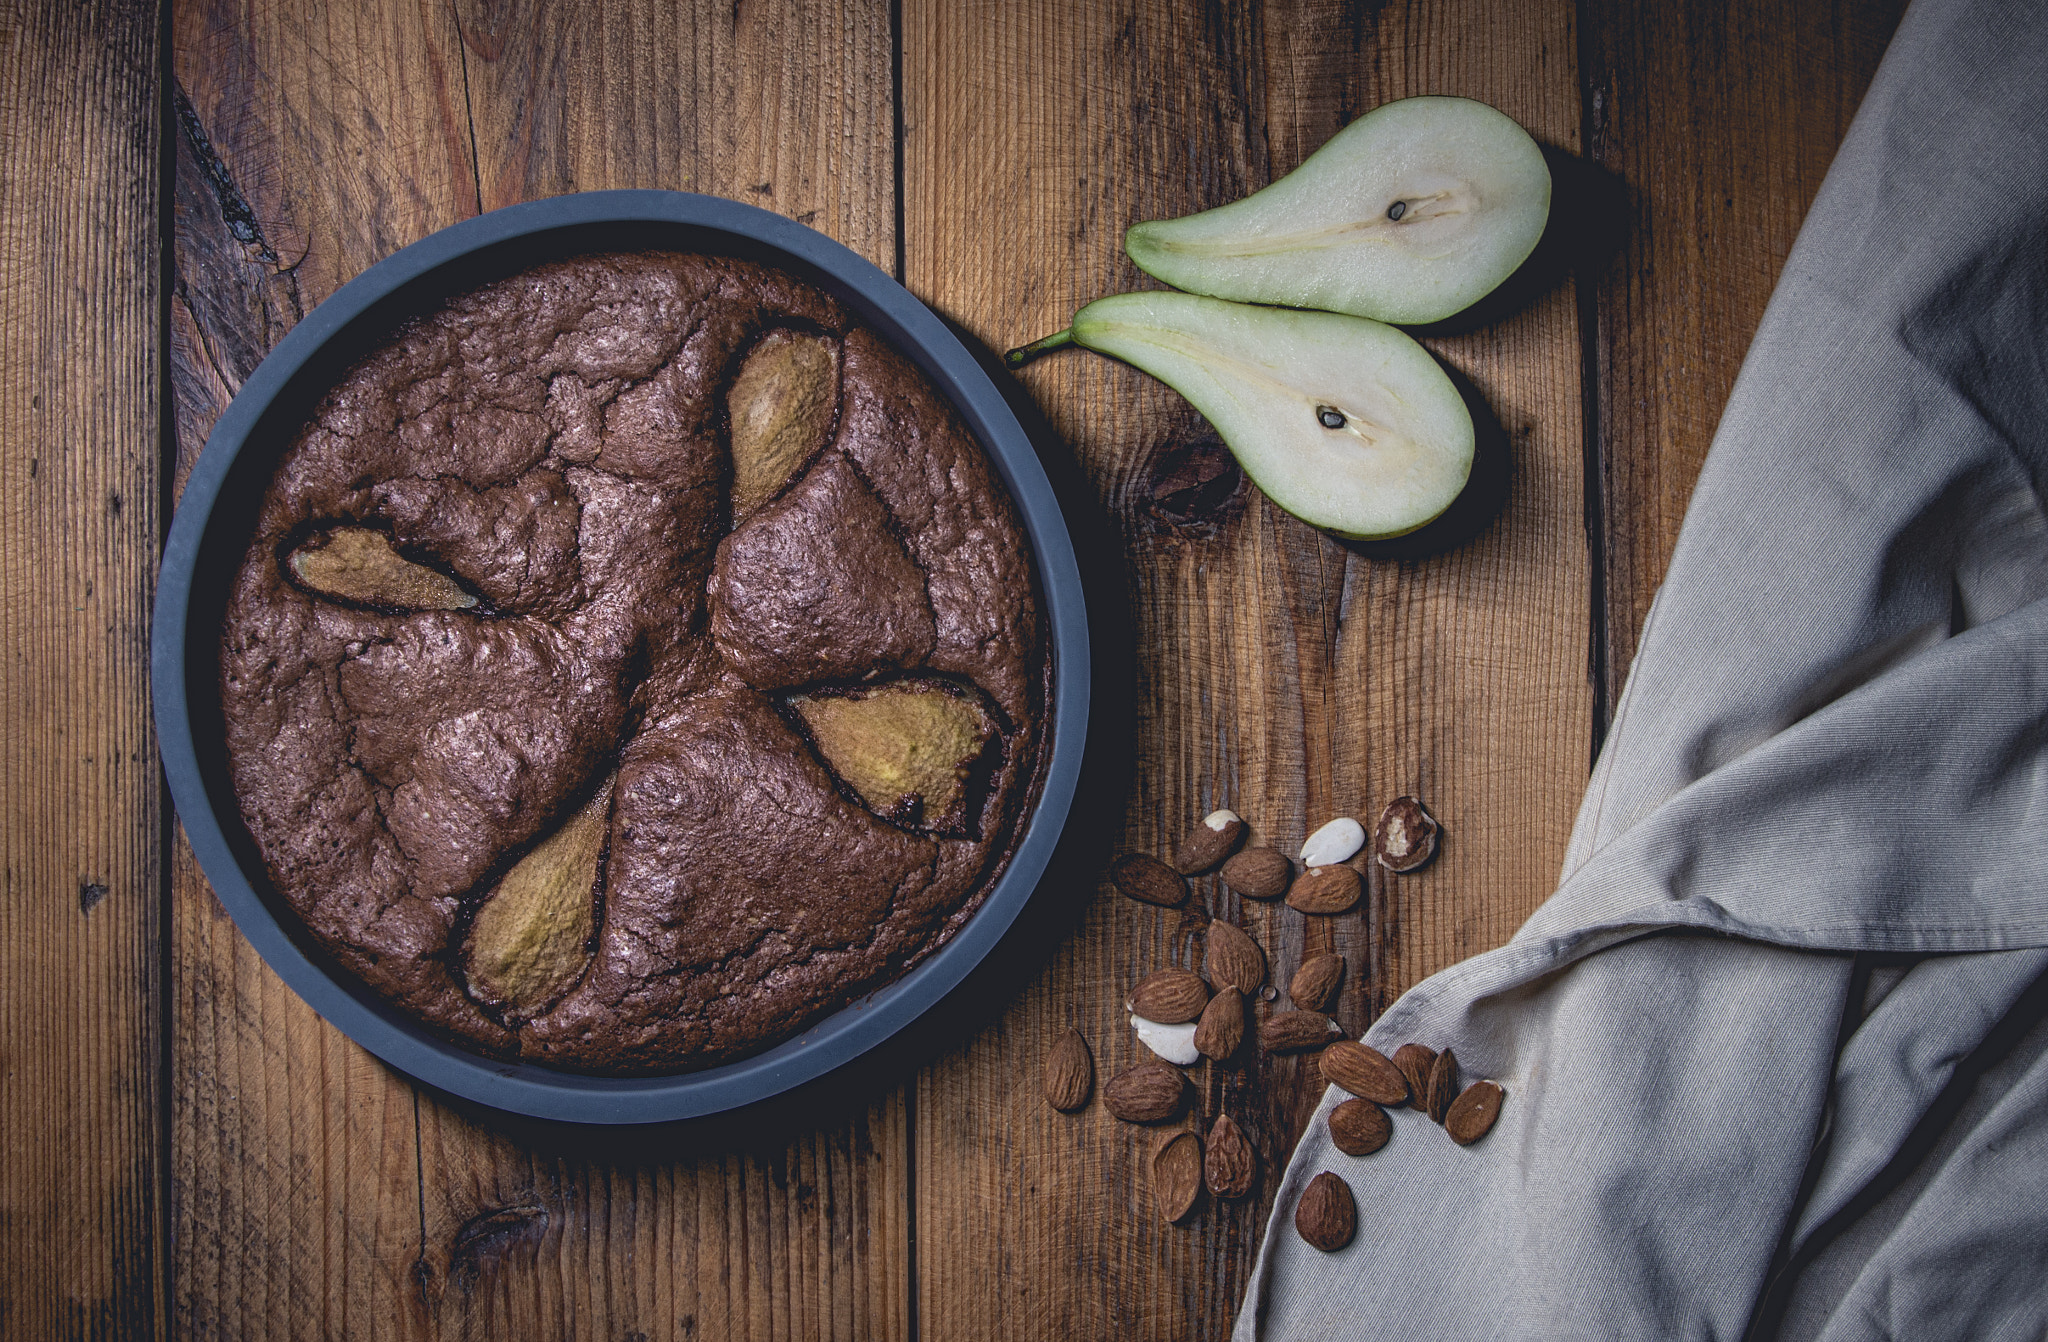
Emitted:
pixel 1278 672
pixel 295 1182
pixel 1722 120
pixel 315 1192
pixel 80 1220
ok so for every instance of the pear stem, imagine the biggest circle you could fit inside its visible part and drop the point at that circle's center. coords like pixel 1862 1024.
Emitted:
pixel 1024 354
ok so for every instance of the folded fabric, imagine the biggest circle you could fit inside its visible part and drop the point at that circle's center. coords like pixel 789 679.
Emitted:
pixel 1774 1053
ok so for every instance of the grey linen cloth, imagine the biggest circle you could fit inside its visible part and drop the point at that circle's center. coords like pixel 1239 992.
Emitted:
pixel 1772 1051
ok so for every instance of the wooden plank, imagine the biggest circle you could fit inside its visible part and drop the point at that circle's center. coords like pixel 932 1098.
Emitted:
pixel 1278 672
pixel 1722 120
pixel 311 142
pixel 318 1194
pixel 81 1234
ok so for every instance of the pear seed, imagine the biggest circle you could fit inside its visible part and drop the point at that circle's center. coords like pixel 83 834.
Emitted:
pixel 1396 210
pixel 1330 416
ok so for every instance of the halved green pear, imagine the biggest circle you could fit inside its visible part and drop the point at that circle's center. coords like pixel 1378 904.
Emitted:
pixel 1344 422
pixel 1411 213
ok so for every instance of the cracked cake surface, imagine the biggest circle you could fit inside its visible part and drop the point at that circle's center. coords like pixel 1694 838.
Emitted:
pixel 635 660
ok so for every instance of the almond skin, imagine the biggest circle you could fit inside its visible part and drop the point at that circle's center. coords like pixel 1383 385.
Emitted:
pixel 1069 1072
pixel 1415 1060
pixel 1258 873
pixel 1221 1029
pixel 1405 837
pixel 1471 1115
pixel 1314 986
pixel 1231 1165
pixel 1326 1217
pixel 1171 996
pixel 1359 1127
pixel 1295 1031
pixel 1151 1092
pixel 1209 842
pixel 1233 958
pixel 1148 880
pixel 1325 890
pixel 1443 1086
pixel 1364 1071
pixel 1177 1176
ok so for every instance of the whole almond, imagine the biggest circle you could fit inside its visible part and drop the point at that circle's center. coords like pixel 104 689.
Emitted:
pixel 1443 1085
pixel 1258 873
pixel 1326 1217
pixel 1231 1165
pixel 1233 958
pixel 1471 1115
pixel 1221 1029
pixel 1177 1175
pixel 1148 880
pixel 1171 996
pixel 1360 1127
pixel 1208 843
pixel 1325 890
pixel 1415 1060
pixel 1296 1031
pixel 1405 837
pixel 1151 1092
pixel 1364 1071
pixel 1314 986
pixel 1069 1072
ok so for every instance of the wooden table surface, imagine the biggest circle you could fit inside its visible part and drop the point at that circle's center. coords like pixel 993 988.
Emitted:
pixel 188 1148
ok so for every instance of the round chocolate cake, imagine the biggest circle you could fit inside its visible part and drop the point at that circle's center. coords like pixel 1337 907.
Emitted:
pixel 635 661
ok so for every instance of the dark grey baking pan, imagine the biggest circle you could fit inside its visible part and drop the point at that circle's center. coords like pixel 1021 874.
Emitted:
pixel 215 517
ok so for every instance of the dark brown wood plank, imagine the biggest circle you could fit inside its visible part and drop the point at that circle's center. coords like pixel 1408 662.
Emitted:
pixel 312 141
pixel 316 1192
pixel 1721 119
pixel 81 1236
pixel 786 106
pixel 1278 672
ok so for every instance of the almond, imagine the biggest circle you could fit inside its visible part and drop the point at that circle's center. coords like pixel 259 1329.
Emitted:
pixel 1443 1086
pixel 1364 1071
pixel 1325 890
pixel 1338 841
pixel 1171 996
pixel 1231 1163
pixel 1296 1031
pixel 1360 1127
pixel 1258 873
pixel 1405 837
pixel 1471 1115
pixel 1177 1176
pixel 1326 1217
pixel 1208 843
pixel 1151 1092
pixel 1233 958
pixel 1314 986
pixel 1148 880
pixel 1221 1029
pixel 1415 1060
pixel 1069 1072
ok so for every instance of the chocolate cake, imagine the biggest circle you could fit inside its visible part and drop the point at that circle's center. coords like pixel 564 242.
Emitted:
pixel 635 661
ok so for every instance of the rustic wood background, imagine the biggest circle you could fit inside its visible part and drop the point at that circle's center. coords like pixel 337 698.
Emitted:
pixel 185 1147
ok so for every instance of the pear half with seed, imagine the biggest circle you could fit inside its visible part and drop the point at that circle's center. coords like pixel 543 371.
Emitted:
pixel 1346 423
pixel 1411 213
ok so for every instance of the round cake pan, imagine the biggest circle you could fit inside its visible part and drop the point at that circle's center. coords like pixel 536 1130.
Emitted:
pixel 215 518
